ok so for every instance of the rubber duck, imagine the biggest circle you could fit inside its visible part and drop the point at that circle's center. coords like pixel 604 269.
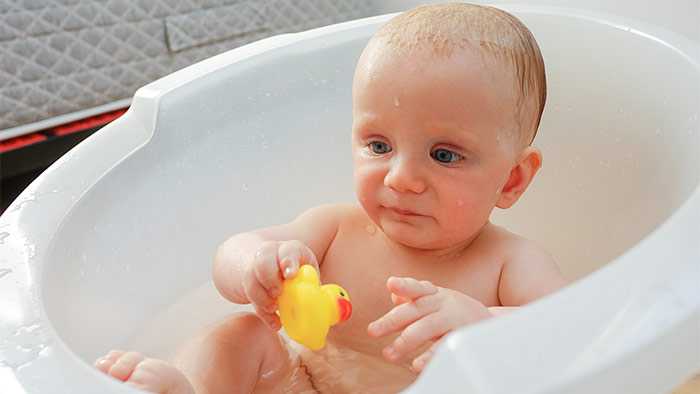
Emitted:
pixel 307 310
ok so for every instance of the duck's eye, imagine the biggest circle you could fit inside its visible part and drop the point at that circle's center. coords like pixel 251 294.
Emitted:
pixel 342 294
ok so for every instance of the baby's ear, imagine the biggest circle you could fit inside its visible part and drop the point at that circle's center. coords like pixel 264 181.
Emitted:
pixel 529 162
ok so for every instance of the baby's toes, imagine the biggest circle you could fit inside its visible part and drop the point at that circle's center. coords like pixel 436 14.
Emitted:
pixel 125 365
pixel 157 376
pixel 105 362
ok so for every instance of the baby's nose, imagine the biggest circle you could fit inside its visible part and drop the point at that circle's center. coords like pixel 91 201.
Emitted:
pixel 405 176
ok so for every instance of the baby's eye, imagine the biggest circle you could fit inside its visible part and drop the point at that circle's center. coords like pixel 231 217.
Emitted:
pixel 379 147
pixel 445 156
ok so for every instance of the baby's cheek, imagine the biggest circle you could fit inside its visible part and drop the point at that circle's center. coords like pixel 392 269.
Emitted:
pixel 365 190
pixel 368 179
pixel 362 187
pixel 460 215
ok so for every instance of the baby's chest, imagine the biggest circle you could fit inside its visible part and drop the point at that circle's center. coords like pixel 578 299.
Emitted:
pixel 361 264
pixel 364 275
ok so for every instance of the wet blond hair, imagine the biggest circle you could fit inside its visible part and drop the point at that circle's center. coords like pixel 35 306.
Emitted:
pixel 501 37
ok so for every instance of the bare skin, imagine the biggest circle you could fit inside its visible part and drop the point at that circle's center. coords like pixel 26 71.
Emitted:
pixel 418 255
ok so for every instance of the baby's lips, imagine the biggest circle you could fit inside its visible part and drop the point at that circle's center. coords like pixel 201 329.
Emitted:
pixel 345 308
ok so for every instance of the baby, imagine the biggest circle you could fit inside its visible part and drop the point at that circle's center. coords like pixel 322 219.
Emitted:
pixel 446 102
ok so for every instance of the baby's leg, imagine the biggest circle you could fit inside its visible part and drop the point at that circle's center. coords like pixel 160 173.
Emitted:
pixel 239 355
pixel 147 374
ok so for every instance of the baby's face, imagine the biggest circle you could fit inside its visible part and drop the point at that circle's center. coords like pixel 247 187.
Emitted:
pixel 430 144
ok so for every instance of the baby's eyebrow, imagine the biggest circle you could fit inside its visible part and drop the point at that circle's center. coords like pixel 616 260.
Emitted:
pixel 367 120
pixel 455 132
pixel 367 123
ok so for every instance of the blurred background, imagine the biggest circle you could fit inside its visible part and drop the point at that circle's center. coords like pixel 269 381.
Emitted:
pixel 68 67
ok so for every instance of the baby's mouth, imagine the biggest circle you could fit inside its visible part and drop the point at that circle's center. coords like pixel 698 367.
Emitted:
pixel 403 212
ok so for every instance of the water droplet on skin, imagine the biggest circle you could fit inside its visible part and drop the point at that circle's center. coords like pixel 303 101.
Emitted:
pixel 397 103
pixel 371 229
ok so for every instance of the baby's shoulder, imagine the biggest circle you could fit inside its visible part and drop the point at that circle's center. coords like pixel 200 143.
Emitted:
pixel 510 244
pixel 339 214
pixel 528 272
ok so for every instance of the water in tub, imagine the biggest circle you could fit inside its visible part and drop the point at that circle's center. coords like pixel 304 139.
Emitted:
pixel 193 312
pixel 451 217
pixel 200 307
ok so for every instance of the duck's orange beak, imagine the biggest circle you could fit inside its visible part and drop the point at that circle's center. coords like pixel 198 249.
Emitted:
pixel 345 309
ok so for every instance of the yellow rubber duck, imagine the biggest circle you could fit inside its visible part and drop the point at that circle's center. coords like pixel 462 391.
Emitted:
pixel 307 310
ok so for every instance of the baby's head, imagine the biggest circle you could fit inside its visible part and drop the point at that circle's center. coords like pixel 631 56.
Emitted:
pixel 446 102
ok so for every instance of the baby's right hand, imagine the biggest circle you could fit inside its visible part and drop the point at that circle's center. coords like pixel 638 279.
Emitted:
pixel 273 262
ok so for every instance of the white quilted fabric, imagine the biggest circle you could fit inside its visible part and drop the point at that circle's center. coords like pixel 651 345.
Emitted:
pixel 63 56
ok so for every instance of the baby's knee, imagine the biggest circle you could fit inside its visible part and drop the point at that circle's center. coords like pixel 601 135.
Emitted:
pixel 245 329
pixel 241 325
pixel 247 333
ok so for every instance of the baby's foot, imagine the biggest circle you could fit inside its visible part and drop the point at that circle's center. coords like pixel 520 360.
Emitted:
pixel 147 374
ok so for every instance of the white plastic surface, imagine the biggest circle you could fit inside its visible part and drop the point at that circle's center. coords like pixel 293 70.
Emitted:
pixel 112 246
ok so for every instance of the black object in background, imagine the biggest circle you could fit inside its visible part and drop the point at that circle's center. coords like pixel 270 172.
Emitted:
pixel 19 167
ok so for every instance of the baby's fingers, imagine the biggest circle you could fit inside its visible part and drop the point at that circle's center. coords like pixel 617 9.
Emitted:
pixel 396 300
pixel 409 288
pixel 270 319
pixel 292 254
pixel 415 335
pixel 421 361
pixel 266 270
pixel 257 294
pixel 401 316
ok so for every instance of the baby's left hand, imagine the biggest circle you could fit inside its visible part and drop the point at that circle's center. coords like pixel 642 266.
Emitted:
pixel 423 313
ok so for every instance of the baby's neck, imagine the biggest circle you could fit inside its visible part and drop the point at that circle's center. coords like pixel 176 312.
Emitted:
pixel 448 253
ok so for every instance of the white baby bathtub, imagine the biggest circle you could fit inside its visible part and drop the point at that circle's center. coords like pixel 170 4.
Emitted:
pixel 112 246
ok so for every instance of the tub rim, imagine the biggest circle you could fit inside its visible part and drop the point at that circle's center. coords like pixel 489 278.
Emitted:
pixel 26 219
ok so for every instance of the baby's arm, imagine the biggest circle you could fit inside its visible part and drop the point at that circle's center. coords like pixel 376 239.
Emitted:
pixel 529 273
pixel 248 267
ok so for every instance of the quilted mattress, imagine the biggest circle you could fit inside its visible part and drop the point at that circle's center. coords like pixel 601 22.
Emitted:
pixel 61 60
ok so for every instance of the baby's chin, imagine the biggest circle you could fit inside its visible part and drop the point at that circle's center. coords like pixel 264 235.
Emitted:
pixel 423 236
pixel 409 234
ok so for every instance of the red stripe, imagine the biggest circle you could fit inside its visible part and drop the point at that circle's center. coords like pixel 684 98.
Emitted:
pixel 88 123
pixel 68 128
pixel 22 140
